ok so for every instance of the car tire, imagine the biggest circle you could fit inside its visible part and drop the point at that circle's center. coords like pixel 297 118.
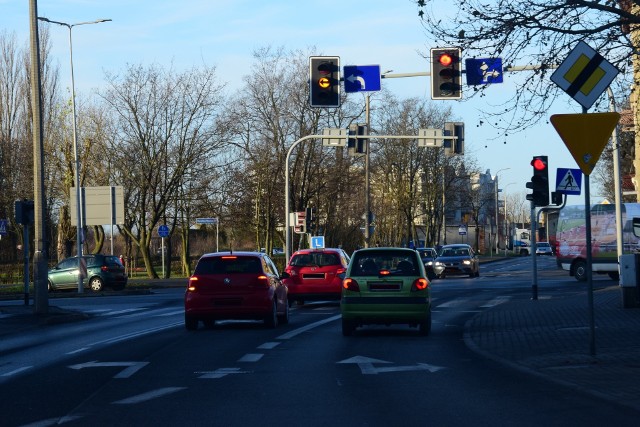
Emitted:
pixel 348 326
pixel 580 271
pixel 209 323
pixel 190 323
pixel 424 327
pixel 96 284
pixel 478 273
pixel 271 321
pixel 284 318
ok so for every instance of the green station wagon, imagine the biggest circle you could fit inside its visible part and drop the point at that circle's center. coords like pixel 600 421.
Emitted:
pixel 386 286
pixel 102 271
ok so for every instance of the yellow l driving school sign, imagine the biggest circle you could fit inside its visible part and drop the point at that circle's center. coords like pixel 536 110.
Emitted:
pixel 585 135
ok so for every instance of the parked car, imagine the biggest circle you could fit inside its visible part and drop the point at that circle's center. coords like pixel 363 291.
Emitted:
pixel 456 259
pixel 315 274
pixel 543 248
pixel 102 271
pixel 428 255
pixel 386 286
pixel 235 285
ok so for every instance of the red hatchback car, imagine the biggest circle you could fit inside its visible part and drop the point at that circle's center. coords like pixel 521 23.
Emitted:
pixel 235 285
pixel 315 274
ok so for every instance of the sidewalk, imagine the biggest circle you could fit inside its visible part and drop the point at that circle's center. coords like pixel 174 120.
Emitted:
pixel 551 338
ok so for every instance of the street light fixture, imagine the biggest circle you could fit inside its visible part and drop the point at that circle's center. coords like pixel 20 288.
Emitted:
pixel 81 270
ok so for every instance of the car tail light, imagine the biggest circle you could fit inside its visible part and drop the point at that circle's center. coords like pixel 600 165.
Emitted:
pixel 350 285
pixel 191 287
pixel 263 280
pixel 384 272
pixel 104 268
pixel 341 270
pixel 420 284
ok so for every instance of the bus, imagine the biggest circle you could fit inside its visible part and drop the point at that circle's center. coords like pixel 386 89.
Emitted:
pixel 571 239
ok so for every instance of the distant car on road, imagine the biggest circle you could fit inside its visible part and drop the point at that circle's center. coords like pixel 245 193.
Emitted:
pixel 103 271
pixel 456 259
pixel 315 274
pixel 428 255
pixel 386 286
pixel 235 285
pixel 543 248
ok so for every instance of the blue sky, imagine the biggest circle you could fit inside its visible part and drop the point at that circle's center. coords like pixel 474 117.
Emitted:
pixel 224 33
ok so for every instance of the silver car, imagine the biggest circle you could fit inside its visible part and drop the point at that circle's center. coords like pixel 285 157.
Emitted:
pixel 543 248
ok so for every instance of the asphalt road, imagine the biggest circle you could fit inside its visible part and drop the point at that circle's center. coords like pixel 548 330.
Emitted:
pixel 133 363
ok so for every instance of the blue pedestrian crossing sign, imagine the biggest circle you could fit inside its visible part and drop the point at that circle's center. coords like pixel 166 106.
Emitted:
pixel 568 181
pixel 483 71
pixel 361 78
pixel 317 242
pixel 3 227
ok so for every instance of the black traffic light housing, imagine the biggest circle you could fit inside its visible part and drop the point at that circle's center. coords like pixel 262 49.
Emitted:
pixel 324 81
pixel 359 145
pixel 24 212
pixel 446 73
pixel 456 146
pixel 539 181
pixel 310 217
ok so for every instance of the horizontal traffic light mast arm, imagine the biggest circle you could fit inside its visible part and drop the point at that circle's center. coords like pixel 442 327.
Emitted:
pixel 509 69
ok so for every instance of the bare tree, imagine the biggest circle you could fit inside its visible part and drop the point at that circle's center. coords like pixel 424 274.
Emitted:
pixel 165 124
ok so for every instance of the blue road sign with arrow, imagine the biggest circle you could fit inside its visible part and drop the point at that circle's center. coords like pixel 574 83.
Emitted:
pixel 483 71
pixel 361 78
pixel 163 231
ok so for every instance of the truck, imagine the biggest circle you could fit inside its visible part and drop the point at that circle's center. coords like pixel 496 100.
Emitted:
pixel 571 239
pixel 522 241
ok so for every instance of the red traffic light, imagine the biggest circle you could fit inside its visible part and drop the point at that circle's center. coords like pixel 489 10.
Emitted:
pixel 538 164
pixel 445 59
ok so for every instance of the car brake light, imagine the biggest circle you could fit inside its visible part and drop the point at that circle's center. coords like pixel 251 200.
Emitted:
pixel 229 257
pixel 263 280
pixel 191 287
pixel 384 272
pixel 350 285
pixel 420 284
pixel 104 268
pixel 341 270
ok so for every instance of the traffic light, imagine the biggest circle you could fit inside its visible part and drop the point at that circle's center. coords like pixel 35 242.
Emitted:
pixel 539 181
pixel 24 212
pixel 445 73
pixel 359 145
pixel 456 146
pixel 324 81
pixel 311 220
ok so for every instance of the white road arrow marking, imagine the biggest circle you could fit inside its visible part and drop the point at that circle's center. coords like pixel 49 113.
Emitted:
pixel 366 366
pixel 132 367
pixel 149 395
pixel 222 372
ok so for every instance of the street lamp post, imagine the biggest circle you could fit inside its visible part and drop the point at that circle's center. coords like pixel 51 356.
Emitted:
pixel 495 185
pixel 506 225
pixel 81 270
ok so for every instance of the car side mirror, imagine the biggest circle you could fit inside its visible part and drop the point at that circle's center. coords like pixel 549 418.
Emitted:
pixel 285 275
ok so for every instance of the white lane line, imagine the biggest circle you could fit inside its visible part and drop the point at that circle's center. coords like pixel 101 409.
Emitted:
pixel 16 371
pixel 171 313
pixel 496 301
pixel 251 357
pixel 149 395
pixel 136 334
pixel 268 345
pixel 78 350
pixel 298 331
pixel 453 303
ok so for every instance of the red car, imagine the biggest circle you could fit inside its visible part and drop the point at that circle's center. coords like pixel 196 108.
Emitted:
pixel 235 285
pixel 315 274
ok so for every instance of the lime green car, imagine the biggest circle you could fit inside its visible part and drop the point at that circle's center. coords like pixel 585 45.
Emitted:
pixel 386 286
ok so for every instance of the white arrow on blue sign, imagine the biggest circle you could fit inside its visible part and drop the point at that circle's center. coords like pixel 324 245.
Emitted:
pixel 361 78
pixel 482 71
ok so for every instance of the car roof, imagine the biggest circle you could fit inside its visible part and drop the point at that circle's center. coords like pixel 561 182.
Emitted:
pixel 384 249
pixel 457 245
pixel 309 251
pixel 238 253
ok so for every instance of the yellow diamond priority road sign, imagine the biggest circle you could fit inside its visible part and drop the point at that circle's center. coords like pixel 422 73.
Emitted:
pixel 584 74
pixel 585 135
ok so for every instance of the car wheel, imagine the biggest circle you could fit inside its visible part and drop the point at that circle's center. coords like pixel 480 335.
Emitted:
pixel 580 271
pixel 96 284
pixel 478 273
pixel 209 323
pixel 424 327
pixel 191 323
pixel 284 318
pixel 271 321
pixel 472 274
pixel 348 326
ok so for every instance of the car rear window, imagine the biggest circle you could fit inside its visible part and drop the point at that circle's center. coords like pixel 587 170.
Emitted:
pixel 397 263
pixel 228 265
pixel 320 259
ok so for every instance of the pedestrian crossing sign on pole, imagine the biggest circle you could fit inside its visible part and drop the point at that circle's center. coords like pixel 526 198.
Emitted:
pixel 568 181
